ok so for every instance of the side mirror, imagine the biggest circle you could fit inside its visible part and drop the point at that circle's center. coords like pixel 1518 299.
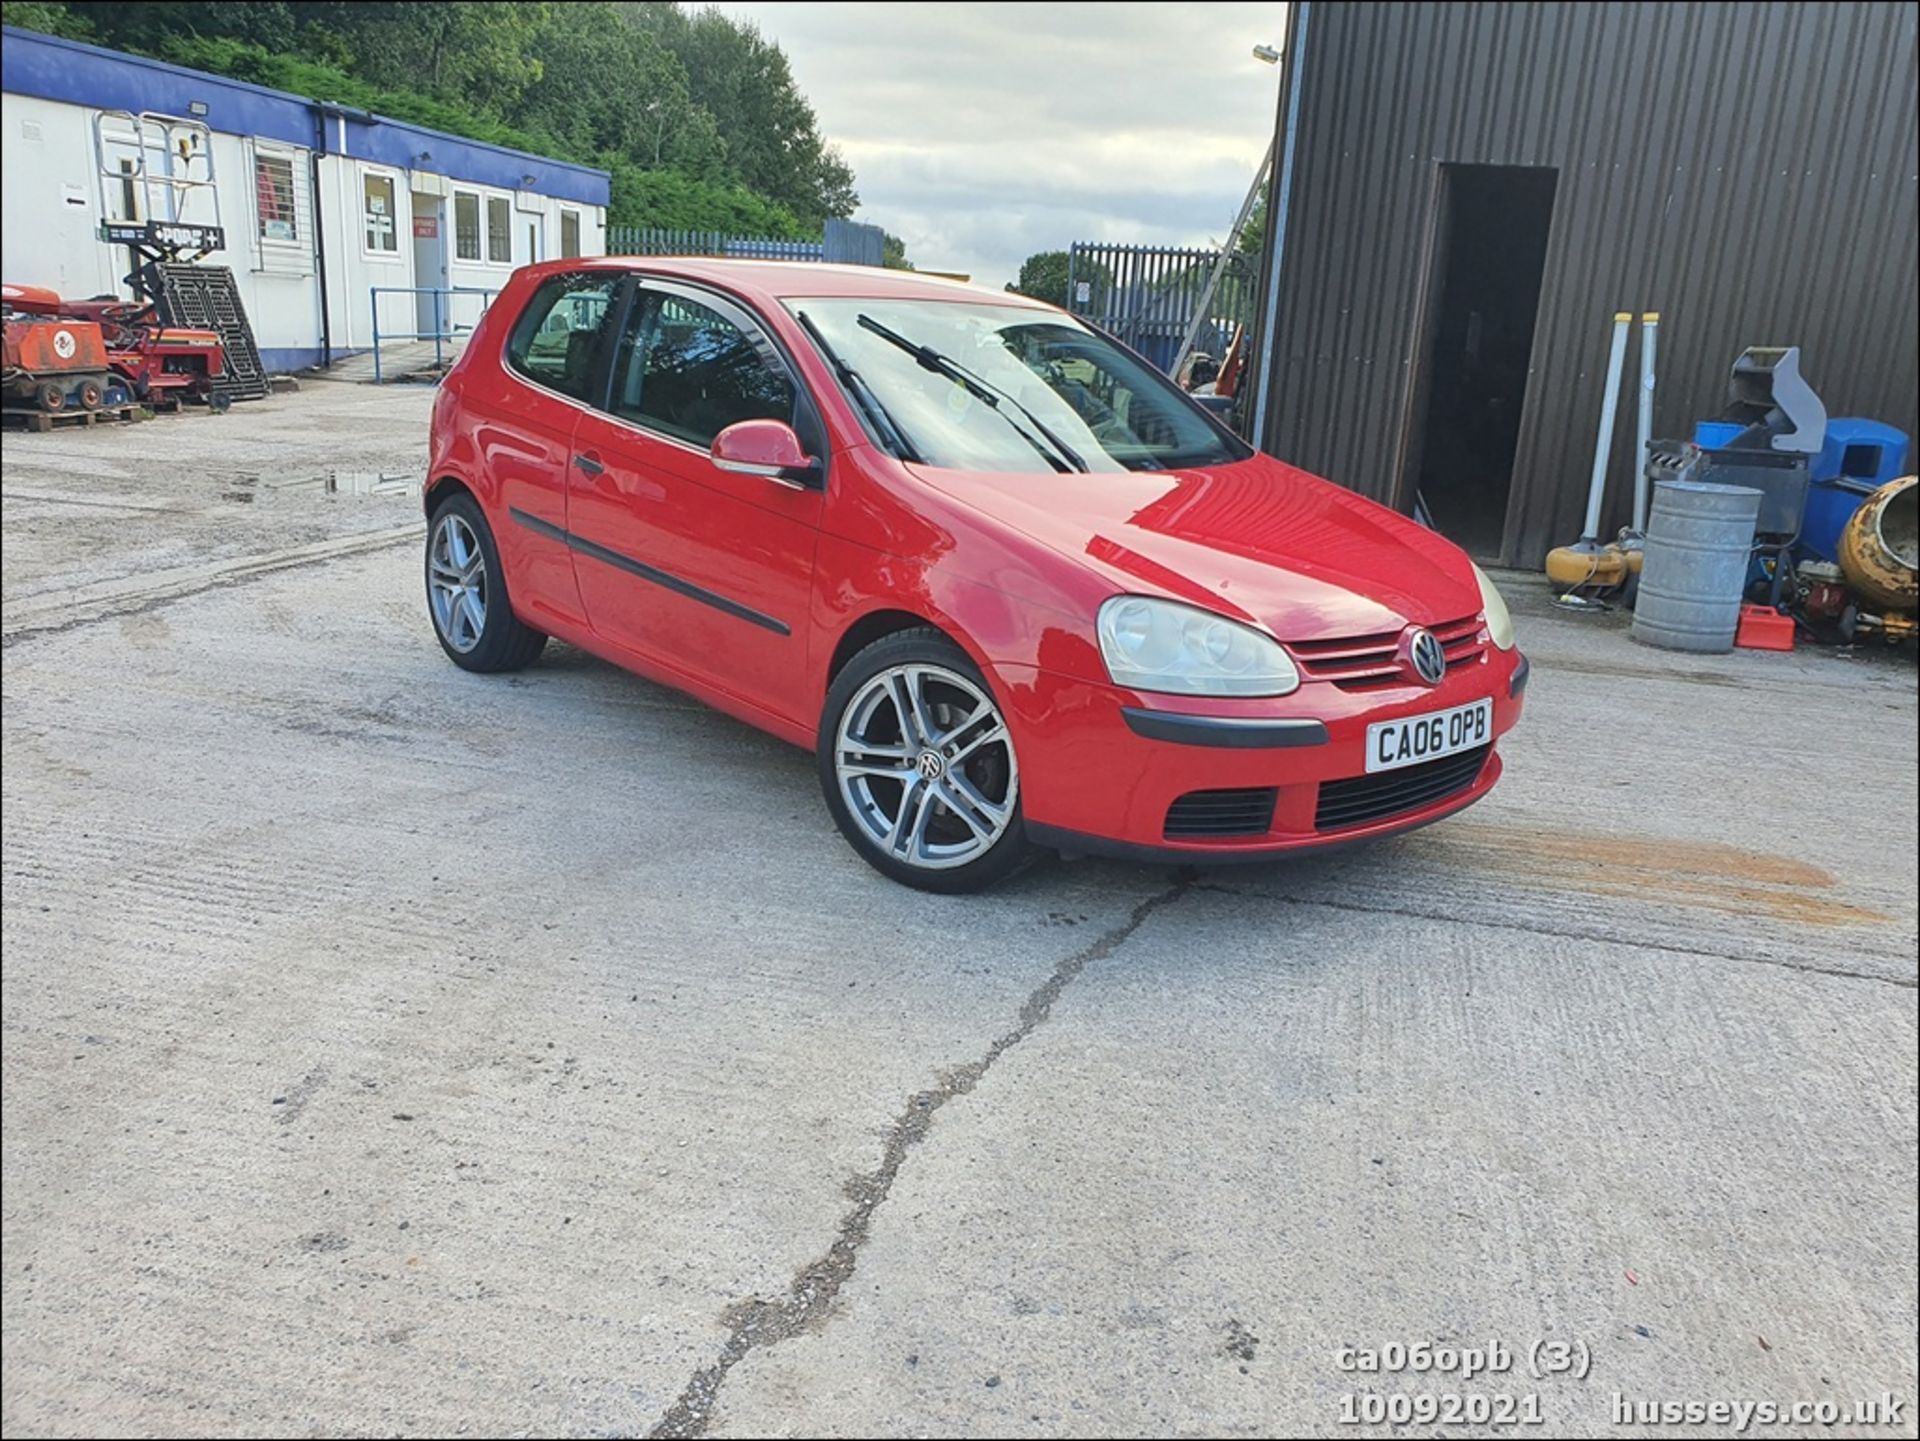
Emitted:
pixel 767 448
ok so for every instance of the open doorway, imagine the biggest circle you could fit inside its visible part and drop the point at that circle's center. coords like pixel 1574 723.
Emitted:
pixel 1491 247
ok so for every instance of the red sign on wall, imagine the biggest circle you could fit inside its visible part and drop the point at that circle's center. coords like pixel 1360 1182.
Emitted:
pixel 426 227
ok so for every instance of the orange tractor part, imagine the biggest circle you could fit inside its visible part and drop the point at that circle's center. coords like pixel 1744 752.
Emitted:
pixel 50 360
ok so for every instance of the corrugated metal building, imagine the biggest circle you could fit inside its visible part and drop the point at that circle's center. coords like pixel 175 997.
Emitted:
pixel 1468 192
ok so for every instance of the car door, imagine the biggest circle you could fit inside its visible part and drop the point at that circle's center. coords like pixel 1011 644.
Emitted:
pixel 701 568
pixel 553 364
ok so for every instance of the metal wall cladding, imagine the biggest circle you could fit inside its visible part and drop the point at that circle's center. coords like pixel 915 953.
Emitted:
pixel 1747 170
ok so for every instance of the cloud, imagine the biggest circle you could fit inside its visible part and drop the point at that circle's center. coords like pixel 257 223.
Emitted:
pixel 981 133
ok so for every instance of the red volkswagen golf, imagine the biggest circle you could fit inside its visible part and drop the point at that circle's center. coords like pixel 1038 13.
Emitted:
pixel 1010 585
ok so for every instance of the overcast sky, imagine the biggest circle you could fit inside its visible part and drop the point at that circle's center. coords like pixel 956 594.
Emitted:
pixel 981 133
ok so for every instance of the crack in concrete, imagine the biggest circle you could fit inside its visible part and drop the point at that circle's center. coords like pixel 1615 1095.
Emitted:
pixel 754 1323
pixel 1409 913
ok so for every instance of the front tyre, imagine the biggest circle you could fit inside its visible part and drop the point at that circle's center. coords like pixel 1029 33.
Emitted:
pixel 467 592
pixel 918 766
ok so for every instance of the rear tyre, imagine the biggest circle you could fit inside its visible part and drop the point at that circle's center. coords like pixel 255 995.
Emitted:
pixel 50 397
pixel 89 394
pixel 467 593
pixel 918 767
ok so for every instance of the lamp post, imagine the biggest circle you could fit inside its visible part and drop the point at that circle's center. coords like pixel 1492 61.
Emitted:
pixel 1270 56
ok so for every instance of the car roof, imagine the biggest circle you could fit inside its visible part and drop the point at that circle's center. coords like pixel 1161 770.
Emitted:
pixel 776 280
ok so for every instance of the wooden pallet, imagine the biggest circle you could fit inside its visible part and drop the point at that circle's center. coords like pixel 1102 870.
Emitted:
pixel 43 420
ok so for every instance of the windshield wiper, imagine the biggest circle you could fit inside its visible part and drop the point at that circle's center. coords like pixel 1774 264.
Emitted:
pixel 863 396
pixel 984 391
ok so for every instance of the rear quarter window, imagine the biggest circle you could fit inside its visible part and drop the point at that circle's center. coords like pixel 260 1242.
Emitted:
pixel 559 341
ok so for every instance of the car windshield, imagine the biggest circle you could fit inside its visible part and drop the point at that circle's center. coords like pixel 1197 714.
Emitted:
pixel 1007 388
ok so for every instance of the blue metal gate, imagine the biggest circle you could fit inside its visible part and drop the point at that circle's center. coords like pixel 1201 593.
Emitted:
pixel 1146 295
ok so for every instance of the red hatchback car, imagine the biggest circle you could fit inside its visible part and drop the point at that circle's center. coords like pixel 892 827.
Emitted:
pixel 1012 587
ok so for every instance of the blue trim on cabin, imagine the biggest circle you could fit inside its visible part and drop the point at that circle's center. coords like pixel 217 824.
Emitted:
pixel 283 360
pixel 51 68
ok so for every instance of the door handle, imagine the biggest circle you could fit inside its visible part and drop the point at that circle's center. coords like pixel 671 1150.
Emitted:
pixel 591 467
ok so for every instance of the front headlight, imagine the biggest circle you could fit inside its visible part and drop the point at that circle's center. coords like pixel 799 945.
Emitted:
pixel 1161 645
pixel 1499 623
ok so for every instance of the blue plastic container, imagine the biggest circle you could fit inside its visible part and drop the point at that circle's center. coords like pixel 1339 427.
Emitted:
pixel 1856 459
pixel 1859 457
pixel 1862 450
pixel 1830 505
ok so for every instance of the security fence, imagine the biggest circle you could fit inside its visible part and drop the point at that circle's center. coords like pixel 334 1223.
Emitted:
pixel 845 241
pixel 1147 295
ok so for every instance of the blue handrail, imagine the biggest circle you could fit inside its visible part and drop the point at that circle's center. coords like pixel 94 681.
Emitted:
pixel 444 329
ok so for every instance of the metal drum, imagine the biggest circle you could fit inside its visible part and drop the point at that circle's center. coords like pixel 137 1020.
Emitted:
pixel 1699 543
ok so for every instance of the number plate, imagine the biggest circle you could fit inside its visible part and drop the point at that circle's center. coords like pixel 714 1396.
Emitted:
pixel 1416 738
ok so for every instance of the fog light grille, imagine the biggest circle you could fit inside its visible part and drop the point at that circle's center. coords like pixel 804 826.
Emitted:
pixel 1371 798
pixel 1210 815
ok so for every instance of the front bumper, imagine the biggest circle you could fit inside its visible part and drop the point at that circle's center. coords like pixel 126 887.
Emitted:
pixel 1101 766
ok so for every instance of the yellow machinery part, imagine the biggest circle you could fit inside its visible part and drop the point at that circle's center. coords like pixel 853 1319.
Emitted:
pixel 1572 566
pixel 1891 627
pixel 1881 544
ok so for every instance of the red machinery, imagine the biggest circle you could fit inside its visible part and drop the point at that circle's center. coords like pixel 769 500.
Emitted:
pixel 112 348
pixel 50 360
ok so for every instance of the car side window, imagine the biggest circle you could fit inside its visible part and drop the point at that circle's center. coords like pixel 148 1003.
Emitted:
pixel 558 340
pixel 689 371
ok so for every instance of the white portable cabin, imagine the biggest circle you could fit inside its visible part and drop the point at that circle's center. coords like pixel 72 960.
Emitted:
pixel 317 204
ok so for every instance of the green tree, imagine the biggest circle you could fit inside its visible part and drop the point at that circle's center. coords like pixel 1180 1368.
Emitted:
pixel 328 82
pixel 148 26
pixel 1253 237
pixel 468 50
pixel 1044 277
pixel 607 86
pixel 743 80
pixel 48 19
pixel 666 200
pixel 893 252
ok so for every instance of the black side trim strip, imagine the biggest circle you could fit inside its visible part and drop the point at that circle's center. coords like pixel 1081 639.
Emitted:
pixel 1224 732
pixel 1521 674
pixel 539 526
pixel 646 572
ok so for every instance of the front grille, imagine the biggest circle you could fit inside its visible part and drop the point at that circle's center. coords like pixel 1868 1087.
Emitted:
pixel 1371 798
pixel 1214 814
pixel 1371 662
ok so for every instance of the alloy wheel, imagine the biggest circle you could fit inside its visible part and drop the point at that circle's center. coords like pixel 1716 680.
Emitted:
pixel 457 583
pixel 926 766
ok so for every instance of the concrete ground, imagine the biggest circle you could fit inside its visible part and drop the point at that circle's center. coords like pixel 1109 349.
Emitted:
pixel 390 1050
